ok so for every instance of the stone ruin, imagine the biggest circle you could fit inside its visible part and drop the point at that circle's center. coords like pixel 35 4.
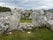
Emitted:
pixel 39 17
pixel 9 21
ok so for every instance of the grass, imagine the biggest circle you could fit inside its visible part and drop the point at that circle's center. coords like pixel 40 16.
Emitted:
pixel 28 21
pixel 40 34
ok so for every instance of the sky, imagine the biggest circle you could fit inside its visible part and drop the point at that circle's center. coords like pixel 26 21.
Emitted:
pixel 27 4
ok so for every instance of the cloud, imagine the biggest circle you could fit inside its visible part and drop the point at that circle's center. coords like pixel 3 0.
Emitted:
pixel 29 4
pixel 8 5
pixel 37 3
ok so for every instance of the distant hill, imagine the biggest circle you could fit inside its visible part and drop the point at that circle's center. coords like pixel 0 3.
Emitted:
pixel 49 10
pixel 4 9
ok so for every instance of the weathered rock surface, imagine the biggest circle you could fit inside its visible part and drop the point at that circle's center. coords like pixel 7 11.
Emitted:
pixel 40 17
pixel 9 21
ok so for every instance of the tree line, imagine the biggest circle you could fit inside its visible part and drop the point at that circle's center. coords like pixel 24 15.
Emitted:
pixel 4 9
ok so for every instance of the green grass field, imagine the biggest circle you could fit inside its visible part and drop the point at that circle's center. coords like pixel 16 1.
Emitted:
pixel 28 21
pixel 40 34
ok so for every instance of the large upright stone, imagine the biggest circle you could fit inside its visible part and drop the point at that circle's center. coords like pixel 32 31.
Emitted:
pixel 37 17
pixel 9 21
pixel 14 20
pixel 49 17
pixel 40 17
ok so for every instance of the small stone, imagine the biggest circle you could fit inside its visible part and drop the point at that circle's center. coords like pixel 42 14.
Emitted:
pixel 9 33
pixel 28 32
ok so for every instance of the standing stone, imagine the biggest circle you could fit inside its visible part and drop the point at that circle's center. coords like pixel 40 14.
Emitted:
pixel 9 21
pixel 37 18
pixel 40 17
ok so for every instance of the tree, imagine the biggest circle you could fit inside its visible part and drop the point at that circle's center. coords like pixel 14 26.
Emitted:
pixel 4 9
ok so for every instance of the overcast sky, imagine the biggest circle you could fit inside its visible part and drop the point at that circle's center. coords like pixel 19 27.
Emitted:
pixel 27 4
